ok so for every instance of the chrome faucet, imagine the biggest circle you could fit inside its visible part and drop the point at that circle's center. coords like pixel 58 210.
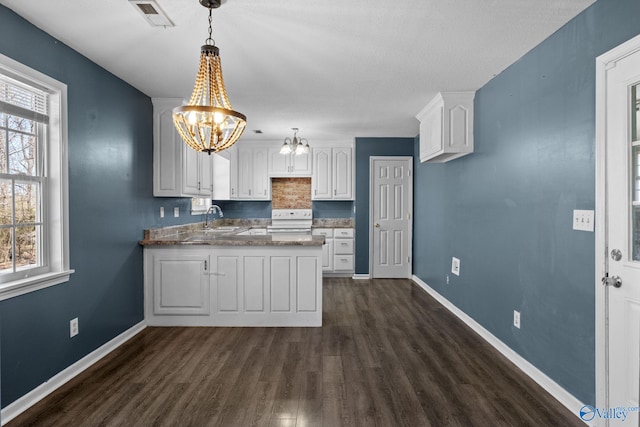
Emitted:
pixel 212 209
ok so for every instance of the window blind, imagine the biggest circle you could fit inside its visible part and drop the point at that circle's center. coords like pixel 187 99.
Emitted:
pixel 21 100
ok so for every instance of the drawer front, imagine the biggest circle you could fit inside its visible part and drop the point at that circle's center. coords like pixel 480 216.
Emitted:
pixel 343 232
pixel 343 263
pixel 343 246
pixel 327 232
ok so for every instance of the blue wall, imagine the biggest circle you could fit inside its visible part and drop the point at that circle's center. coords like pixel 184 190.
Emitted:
pixel 506 209
pixel 110 203
pixel 365 148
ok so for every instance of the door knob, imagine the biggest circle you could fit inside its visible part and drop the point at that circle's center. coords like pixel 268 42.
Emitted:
pixel 614 281
pixel 377 225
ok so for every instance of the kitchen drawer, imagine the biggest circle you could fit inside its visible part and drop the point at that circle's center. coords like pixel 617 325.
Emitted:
pixel 326 232
pixel 343 246
pixel 343 232
pixel 343 263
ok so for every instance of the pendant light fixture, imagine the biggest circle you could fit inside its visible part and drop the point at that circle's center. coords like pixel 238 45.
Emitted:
pixel 296 145
pixel 208 122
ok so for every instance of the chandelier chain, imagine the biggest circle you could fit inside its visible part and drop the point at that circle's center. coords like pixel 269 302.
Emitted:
pixel 210 41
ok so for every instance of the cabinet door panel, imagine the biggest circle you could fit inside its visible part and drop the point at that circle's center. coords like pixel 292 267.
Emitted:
pixel 322 185
pixel 227 280
pixel 342 173
pixel 254 284
pixel 166 151
pixel 190 171
pixel 281 284
pixel 301 164
pixel 245 173
pixel 307 282
pixel 180 285
pixel 278 163
pixel 205 172
pixel 327 255
pixel 261 182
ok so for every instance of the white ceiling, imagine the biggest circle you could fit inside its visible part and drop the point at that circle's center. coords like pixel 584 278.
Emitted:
pixel 334 68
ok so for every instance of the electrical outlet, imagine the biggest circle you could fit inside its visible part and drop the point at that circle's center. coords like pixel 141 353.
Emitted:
pixel 161 211
pixel 176 212
pixel 73 328
pixel 583 220
pixel 455 266
pixel 447 278
pixel 516 319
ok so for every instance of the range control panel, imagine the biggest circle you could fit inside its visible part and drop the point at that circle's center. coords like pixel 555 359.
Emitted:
pixel 291 214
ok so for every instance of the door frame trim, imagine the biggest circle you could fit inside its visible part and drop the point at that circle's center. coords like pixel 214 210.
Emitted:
pixel 604 62
pixel 410 209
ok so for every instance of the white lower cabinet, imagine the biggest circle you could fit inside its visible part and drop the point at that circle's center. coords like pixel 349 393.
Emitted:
pixel 337 252
pixel 181 284
pixel 233 286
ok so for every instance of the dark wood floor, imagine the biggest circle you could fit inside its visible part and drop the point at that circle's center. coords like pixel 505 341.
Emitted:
pixel 387 355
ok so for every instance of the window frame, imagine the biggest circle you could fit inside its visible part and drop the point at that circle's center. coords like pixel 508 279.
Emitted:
pixel 55 197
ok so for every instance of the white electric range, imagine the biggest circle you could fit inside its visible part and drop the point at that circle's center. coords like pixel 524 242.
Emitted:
pixel 290 221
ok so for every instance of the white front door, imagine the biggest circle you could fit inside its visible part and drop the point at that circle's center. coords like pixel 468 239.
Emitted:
pixel 391 210
pixel 620 297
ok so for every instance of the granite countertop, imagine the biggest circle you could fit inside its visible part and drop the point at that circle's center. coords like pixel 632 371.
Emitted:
pixel 224 233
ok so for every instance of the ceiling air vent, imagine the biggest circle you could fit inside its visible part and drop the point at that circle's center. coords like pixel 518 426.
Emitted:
pixel 152 13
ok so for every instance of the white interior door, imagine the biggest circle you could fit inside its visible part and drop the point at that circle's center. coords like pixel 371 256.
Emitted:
pixel 390 223
pixel 622 236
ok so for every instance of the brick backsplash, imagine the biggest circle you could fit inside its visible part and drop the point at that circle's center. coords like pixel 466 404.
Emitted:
pixel 291 193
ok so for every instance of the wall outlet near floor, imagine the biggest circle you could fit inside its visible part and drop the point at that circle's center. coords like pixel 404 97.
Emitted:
pixel 583 220
pixel 455 266
pixel 161 211
pixel 176 212
pixel 516 319
pixel 446 276
pixel 73 328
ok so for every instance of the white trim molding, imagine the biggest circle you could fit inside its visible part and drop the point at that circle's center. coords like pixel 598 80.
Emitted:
pixel 361 276
pixel 34 396
pixel 560 394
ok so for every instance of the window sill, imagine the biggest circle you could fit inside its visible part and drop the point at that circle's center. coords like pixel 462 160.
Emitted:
pixel 30 284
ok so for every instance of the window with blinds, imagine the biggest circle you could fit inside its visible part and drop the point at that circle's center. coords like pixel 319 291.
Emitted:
pixel 23 130
pixel 34 182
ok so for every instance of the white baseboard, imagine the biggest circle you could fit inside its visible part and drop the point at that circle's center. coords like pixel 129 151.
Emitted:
pixel 560 394
pixel 361 277
pixel 43 390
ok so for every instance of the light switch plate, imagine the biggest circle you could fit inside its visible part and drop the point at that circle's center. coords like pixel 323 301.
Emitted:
pixel 455 266
pixel 583 220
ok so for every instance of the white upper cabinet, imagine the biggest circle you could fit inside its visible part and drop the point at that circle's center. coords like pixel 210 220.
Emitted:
pixel 446 127
pixel 178 170
pixel 322 181
pixel 342 173
pixel 284 165
pixel 253 182
pixel 332 177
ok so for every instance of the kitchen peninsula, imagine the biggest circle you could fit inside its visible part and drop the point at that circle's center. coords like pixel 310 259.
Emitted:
pixel 227 276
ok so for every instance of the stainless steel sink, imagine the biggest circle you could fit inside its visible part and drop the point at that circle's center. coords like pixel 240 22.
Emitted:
pixel 227 229
pixel 206 234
